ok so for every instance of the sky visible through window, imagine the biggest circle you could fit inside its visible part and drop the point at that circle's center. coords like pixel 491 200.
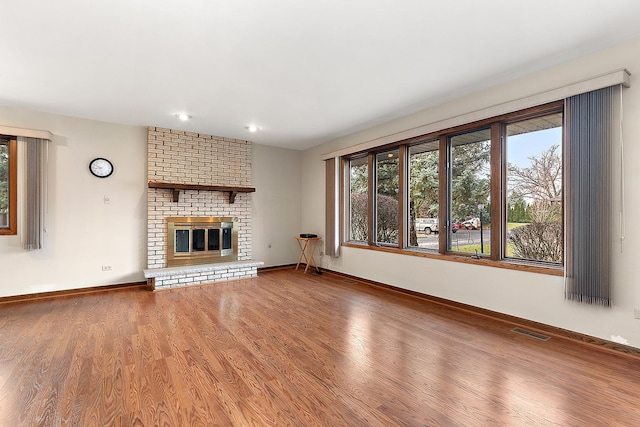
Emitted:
pixel 522 147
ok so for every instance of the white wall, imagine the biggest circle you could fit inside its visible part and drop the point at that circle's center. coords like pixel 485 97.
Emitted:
pixel 84 233
pixel 532 296
pixel 276 205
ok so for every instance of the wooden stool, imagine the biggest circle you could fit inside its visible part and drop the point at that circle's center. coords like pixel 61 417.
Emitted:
pixel 307 244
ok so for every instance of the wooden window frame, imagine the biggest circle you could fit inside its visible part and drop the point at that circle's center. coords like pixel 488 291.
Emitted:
pixel 449 183
pixel 12 229
pixel 373 220
pixel 345 197
pixel 497 258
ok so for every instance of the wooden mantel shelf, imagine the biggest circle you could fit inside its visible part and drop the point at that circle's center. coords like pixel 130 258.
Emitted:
pixel 233 191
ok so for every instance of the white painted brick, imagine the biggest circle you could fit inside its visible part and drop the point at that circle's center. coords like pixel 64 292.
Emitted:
pixel 177 156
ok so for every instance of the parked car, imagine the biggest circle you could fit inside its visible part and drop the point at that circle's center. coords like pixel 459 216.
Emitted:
pixel 431 225
pixel 472 224
pixel 427 225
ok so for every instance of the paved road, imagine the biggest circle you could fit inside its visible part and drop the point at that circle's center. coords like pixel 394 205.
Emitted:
pixel 461 238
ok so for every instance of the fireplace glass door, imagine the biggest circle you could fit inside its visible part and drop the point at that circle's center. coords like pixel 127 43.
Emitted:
pixel 199 240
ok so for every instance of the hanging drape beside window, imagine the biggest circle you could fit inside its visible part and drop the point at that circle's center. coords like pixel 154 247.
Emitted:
pixel 590 129
pixel 36 151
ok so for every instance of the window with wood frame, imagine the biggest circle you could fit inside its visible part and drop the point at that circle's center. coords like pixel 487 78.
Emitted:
pixel 424 189
pixel 489 191
pixel 8 185
pixel 534 208
pixel 357 182
pixel 387 200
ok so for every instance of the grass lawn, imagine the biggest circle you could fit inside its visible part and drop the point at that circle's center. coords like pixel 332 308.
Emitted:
pixel 471 249
pixel 512 225
pixel 487 249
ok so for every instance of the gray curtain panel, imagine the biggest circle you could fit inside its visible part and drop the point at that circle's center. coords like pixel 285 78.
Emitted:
pixel 35 191
pixel 589 131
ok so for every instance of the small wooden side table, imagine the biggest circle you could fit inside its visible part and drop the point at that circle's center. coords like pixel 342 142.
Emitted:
pixel 307 251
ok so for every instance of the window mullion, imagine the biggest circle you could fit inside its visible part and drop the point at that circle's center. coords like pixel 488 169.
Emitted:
pixel 371 199
pixel 497 184
pixel 403 199
pixel 345 183
pixel 444 183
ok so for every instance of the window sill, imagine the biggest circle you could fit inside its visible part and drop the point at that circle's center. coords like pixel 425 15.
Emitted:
pixel 510 264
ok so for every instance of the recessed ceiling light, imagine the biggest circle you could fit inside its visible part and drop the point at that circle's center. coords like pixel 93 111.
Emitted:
pixel 252 128
pixel 183 116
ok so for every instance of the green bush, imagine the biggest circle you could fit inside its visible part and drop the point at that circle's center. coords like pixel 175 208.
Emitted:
pixel 538 241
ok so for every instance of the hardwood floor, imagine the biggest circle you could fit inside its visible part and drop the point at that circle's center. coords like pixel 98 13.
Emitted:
pixel 293 349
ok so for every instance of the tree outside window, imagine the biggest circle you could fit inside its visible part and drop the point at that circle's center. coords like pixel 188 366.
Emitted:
pixel 4 183
pixel 470 192
pixel 387 197
pixel 358 200
pixel 534 189
pixel 423 194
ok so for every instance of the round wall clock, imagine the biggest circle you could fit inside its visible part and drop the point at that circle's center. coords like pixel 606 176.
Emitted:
pixel 100 167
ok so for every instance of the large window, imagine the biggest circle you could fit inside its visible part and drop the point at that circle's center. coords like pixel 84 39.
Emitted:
pixel 387 197
pixel 534 189
pixel 358 229
pixel 490 191
pixel 8 186
pixel 469 192
pixel 424 206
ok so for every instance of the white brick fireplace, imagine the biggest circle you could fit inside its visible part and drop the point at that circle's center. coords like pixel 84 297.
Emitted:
pixel 187 158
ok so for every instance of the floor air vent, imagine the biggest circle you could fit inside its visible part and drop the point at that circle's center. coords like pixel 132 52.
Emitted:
pixel 349 282
pixel 530 334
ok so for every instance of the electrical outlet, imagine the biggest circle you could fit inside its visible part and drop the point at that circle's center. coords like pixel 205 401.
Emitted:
pixel 106 268
pixel 636 313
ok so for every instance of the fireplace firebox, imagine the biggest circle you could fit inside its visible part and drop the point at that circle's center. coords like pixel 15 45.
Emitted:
pixel 201 240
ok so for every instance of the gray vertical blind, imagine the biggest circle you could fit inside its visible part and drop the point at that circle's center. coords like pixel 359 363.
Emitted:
pixel 35 192
pixel 589 136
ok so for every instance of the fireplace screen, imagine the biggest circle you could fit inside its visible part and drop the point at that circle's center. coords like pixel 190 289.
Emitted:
pixel 201 240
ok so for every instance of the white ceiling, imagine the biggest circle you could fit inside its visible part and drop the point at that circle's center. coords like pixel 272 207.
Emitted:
pixel 304 71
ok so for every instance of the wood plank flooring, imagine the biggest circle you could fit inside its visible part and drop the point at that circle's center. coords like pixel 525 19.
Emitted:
pixel 287 349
